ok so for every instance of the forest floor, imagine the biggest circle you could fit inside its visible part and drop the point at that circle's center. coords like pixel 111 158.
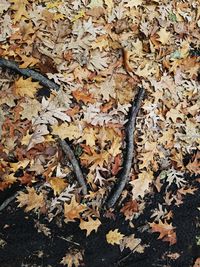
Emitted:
pixel 100 133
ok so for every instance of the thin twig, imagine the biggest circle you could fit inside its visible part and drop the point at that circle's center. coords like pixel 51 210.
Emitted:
pixel 128 255
pixel 70 241
pixel 130 129
pixel 69 153
pixel 4 63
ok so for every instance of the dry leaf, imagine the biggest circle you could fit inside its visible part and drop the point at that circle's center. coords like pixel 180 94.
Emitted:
pixel 31 200
pixel 72 211
pixel 114 237
pixel 90 225
pixel 25 87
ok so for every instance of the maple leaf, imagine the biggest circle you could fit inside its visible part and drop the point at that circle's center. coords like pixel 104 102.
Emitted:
pixel 72 258
pixel 25 87
pixel 96 159
pixel 58 184
pixel 89 135
pixel 19 6
pixel 81 95
pixel 166 231
pixel 114 237
pixel 72 211
pixel 90 225
pixel 31 200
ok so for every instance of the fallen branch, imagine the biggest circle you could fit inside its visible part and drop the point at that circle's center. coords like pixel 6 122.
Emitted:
pixel 4 63
pixel 70 155
pixel 8 201
pixel 130 129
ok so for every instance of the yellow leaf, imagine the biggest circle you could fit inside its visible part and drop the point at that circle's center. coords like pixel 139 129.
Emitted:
pixel 58 185
pixel 80 14
pixel 90 225
pixel 25 87
pixel 164 36
pixel 65 130
pixel 72 211
pixel 31 200
pixel 114 237
pixel 22 164
pixel 20 9
pixel 28 61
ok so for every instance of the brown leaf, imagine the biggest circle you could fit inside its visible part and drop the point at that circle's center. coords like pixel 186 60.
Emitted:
pixel 166 231
pixel 31 200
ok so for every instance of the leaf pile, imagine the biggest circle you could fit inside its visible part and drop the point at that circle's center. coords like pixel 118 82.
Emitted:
pixel 98 52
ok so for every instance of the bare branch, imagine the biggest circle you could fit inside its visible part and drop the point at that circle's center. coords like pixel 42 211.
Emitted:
pixel 70 155
pixel 4 63
pixel 130 129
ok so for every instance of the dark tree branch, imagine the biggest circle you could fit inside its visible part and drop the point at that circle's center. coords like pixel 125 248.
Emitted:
pixel 70 155
pixel 4 63
pixel 130 129
pixel 51 85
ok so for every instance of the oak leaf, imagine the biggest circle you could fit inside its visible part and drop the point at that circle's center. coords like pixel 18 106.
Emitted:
pixel 90 225
pixel 25 87
pixel 19 6
pixel 31 200
pixel 65 130
pixel 58 185
pixel 114 237
pixel 72 211
pixel 141 184
pixel 166 231
pixel 72 258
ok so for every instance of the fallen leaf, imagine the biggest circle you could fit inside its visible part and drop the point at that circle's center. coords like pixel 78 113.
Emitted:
pixel 90 225
pixel 31 199
pixel 165 230
pixel 25 87
pixel 72 211
pixel 114 237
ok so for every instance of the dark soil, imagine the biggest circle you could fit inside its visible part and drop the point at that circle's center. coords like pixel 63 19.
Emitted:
pixel 23 242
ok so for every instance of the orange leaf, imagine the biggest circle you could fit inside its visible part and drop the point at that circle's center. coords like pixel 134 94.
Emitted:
pixel 166 231
pixel 84 96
